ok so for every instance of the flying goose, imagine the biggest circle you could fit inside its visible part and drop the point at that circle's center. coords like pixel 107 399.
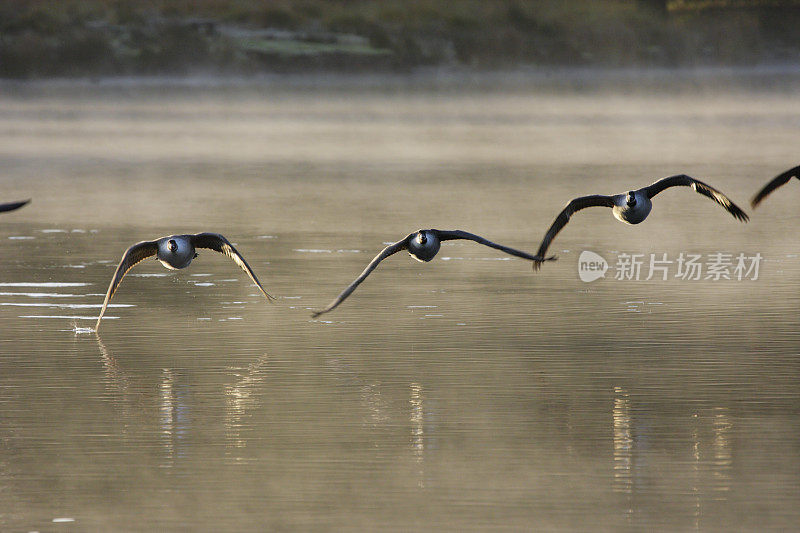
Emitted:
pixel 10 206
pixel 422 245
pixel 634 206
pixel 175 252
pixel 776 182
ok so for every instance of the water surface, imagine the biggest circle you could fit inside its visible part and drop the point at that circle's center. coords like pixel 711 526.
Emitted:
pixel 467 393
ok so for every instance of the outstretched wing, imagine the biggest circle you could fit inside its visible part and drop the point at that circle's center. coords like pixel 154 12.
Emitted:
pixel 133 255
pixel 218 243
pixel 386 252
pixel 445 235
pixel 776 182
pixel 595 200
pixel 698 186
pixel 10 206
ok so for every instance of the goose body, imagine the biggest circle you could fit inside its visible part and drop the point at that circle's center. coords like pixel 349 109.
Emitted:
pixel 424 245
pixel 175 252
pixel 634 206
pixel 631 208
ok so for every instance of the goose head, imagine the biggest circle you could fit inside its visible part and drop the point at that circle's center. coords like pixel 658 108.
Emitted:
pixel 630 199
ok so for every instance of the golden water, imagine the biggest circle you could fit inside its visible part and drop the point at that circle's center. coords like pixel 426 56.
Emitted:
pixel 465 393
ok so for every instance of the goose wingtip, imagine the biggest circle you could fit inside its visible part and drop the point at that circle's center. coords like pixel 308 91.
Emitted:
pixel 537 263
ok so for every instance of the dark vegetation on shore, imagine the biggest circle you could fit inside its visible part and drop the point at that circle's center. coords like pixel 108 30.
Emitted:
pixel 41 38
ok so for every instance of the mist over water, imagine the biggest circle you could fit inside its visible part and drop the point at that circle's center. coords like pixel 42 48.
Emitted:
pixel 466 393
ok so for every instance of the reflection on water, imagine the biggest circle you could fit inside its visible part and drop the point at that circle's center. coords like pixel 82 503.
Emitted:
pixel 418 430
pixel 721 426
pixel 710 457
pixel 467 394
pixel 241 397
pixel 168 415
pixel 696 487
pixel 623 444
pixel 118 381
pixel 712 454
pixel 376 407
pixel 173 419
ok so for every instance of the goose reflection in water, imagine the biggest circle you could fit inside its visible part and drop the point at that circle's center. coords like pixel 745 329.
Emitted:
pixel 242 397
pixel 623 443
pixel 376 410
pixel 712 458
pixel 379 413
pixel 173 416
pixel 172 411
pixel 418 437
pixel 117 380
pixel 708 449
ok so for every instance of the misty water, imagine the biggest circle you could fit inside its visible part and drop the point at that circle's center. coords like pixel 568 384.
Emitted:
pixel 468 393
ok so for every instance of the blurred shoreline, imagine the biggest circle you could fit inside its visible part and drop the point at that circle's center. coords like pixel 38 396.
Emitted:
pixel 778 77
pixel 100 39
